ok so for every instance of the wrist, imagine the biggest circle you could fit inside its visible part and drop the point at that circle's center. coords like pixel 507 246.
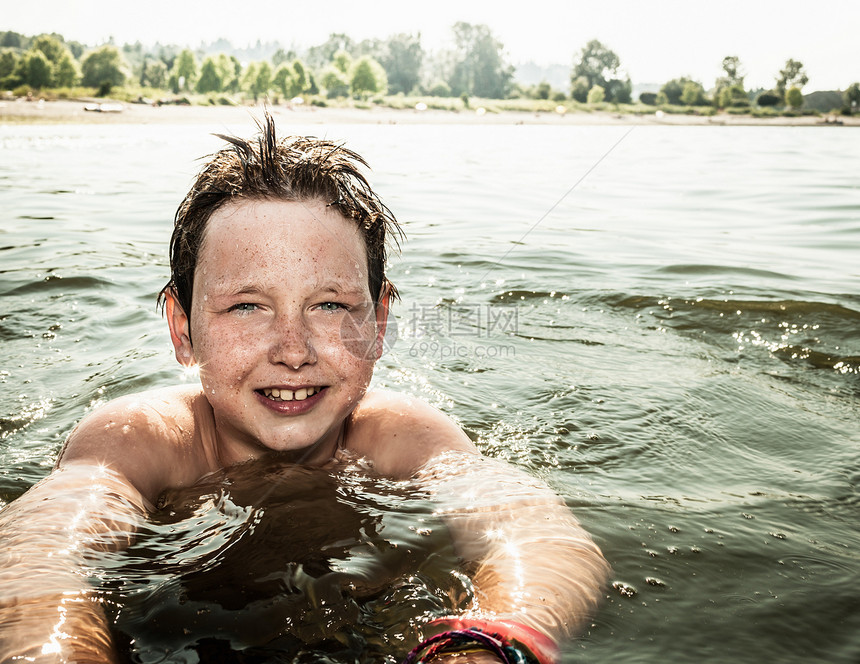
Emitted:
pixel 506 640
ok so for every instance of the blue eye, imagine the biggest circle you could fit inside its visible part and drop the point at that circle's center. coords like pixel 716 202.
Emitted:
pixel 330 306
pixel 244 307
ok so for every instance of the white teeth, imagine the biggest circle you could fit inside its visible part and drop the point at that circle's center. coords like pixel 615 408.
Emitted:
pixel 277 394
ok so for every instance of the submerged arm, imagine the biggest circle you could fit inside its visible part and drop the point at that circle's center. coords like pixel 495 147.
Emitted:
pixel 47 609
pixel 530 561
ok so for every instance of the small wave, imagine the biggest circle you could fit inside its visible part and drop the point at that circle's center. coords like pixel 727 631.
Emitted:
pixel 845 365
pixel 566 340
pixel 819 334
pixel 527 296
pixel 54 282
pixel 736 306
pixel 722 270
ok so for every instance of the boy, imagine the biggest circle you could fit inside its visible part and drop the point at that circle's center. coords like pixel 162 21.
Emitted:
pixel 278 295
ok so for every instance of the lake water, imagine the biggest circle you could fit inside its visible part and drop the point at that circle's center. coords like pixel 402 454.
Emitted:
pixel 663 323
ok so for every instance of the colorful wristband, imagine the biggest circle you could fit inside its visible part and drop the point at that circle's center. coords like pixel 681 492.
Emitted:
pixel 511 642
pixel 464 640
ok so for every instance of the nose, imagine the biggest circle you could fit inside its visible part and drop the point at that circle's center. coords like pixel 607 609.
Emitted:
pixel 291 342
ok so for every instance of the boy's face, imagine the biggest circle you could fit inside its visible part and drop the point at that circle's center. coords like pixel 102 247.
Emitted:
pixel 284 329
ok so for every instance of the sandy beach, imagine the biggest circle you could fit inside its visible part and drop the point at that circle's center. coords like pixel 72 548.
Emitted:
pixel 20 111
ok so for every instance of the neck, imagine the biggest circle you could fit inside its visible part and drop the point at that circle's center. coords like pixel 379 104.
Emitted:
pixel 231 450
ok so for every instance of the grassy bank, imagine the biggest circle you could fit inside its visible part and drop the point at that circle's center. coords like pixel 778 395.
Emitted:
pixel 136 94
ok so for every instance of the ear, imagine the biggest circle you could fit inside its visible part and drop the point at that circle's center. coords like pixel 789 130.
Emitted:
pixel 382 320
pixel 180 334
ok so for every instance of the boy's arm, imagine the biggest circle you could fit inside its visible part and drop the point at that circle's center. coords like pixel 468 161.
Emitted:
pixel 530 561
pixel 107 476
pixel 48 612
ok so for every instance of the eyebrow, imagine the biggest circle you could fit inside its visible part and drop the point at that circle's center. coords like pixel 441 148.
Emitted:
pixel 229 290
pixel 232 289
pixel 340 289
pixel 242 289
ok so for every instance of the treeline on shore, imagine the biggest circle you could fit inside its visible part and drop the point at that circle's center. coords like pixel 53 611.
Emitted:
pixel 390 71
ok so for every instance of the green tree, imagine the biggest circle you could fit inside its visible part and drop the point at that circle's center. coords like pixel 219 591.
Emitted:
pixel 793 74
pixel 248 78
pixel 852 97
pixel 672 90
pixel 280 57
pixel 263 82
pixel 693 94
pixel 402 57
pixel 154 74
pixel 257 79
pixel 185 69
pixel 231 72
pixel 480 68
pixel 439 89
pixel 342 61
pixel 543 90
pixel 54 51
pixel 301 77
pixel 320 56
pixel 292 79
pixel 51 47
pixel 732 79
pixel 103 66
pixel 168 55
pixel 596 95
pixel 599 65
pixel 211 77
pixel 794 97
pixel 334 82
pixel 285 81
pixel 36 69
pixel 731 65
pixel 732 97
pixel 76 49
pixel 367 77
pixel 12 40
pixel 312 88
pixel 135 57
pixel 619 91
pixel 768 98
pixel 579 89
pixel 66 71
pixel 8 66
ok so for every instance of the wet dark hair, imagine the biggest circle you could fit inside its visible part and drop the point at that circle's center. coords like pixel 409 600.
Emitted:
pixel 295 168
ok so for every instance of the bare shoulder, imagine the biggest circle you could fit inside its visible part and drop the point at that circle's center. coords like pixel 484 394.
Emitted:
pixel 399 433
pixel 143 437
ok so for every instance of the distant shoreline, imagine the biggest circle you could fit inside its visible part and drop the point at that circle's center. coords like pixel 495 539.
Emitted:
pixel 73 112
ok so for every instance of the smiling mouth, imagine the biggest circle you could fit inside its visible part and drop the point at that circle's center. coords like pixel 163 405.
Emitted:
pixel 276 394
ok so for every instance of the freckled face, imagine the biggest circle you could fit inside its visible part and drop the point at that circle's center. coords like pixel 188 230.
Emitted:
pixel 283 326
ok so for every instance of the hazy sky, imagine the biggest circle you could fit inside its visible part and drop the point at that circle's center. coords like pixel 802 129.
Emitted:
pixel 655 40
